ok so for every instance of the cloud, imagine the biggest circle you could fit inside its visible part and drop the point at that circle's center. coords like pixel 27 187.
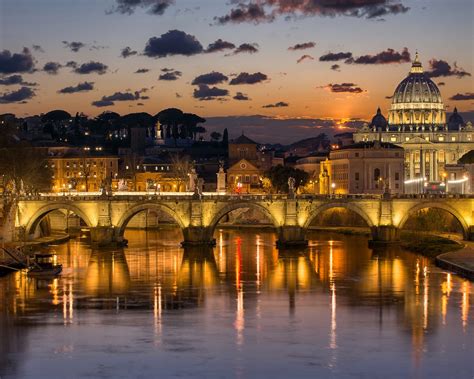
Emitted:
pixel 14 80
pixel 241 97
pixel 127 52
pixel 17 62
pixel 120 96
pixel 333 57
pixel 81 87
pixel 302 46
pixel 52 68
pixel 247 48
pixel 20 95
pixel 245 13
pixel 257 11
pixel 142 71
pixel 38 48
pixel 170 74
pixel 344 88
pixel 219 45
pixel 71 64
pixel 335 67
pixel 210 78
pixel 304 57
pixel 91 67
pixel 173 42
pixel 441 84
pixel 440 68
pixel 384 57
pixel 155 7
pixel 463 96
pixel 246 78
pixel 74 46
pixel 205 92
pixel 280 104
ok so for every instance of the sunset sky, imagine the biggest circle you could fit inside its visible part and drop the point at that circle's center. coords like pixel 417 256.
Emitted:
pixel 82 56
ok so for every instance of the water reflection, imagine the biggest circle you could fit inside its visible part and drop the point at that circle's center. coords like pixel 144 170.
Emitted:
pixel 334 297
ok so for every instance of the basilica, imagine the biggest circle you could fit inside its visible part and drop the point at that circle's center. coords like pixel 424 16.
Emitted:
pixel 417 123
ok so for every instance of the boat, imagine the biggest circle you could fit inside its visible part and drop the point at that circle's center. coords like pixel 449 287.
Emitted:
pixel 44 266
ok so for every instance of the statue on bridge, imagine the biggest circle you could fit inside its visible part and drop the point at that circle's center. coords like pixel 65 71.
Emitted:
pixel 291 186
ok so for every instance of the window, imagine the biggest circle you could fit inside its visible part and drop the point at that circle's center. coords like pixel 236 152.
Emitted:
pixel 453 138
pixel 393 139
pixel 376 174
pixel 356 176
pixel 396 185
pixel 247 178
pixel 357 155
pixel 397 176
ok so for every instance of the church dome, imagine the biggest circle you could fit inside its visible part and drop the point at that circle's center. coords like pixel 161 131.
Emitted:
pixel 455 120
pixel 417 100
pixel 379 121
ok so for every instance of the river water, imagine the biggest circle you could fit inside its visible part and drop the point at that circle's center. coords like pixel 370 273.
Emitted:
pixel 241 310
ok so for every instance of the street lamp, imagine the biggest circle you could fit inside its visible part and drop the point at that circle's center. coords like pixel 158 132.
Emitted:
pixel 333 186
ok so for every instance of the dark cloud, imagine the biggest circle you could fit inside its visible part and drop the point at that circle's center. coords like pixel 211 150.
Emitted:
pixel 241 97
pixel 302 46
pixel 178 96
pixel 173 42
pixel 246 78
pixel 91 67
pixel 344 88
pixel 142 71
pixel 210 78
pixel 205 92
pixel 245 13
pixel 463 96
pixel 17 62
pixel 257 11
pixel 384 57
pixel 388 97
pixel 170 74
pixel 74 46
pixel 20 95
pixel 14 80
pixel 156 7
pixel 107 101
pixel 37 48
pixel 280 104
pixel 52 68
pixel 71 64
pixel 336 67
pixel 127 52
pixel 304 57
pixel 441 84
pixel 333 57
pixel 81 87
pixel 440 68
pixel 247 48
pixel 219 45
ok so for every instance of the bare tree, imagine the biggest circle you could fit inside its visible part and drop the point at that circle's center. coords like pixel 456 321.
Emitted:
pixel 181 167
pixel 132 166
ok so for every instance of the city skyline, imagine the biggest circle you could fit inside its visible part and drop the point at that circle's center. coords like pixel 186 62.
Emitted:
pixel 202 59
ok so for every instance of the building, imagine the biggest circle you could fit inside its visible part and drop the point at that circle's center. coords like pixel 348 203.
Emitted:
pixel 363 168
pixel 84 172
pixel 417 123
pixel 312 165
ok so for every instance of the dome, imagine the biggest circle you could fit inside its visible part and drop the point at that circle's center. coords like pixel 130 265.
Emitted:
pixel 455 120
pixel 417 100
pixel 379 121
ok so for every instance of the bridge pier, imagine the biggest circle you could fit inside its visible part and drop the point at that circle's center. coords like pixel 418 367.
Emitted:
pixel 102 235
pixel 384 234
pixel 197 236
pixel 291 236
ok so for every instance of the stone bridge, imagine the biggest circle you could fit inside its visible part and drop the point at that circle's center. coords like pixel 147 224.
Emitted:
pixel 107 215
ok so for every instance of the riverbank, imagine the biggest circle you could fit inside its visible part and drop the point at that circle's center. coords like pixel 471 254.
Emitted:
pixel 429 245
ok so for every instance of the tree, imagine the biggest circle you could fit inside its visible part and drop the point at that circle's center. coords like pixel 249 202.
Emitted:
pixel 190 123
pixel 279 175
pixel 215 136
pixel 132 166
pixel 200 130
pixel 24 164
pixel 170 119
pixel 181 166
pixel 225 138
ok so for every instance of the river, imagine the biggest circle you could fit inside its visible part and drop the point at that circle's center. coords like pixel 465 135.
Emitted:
pixel 240 310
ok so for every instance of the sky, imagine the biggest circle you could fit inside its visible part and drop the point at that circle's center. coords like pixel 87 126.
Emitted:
pixel 293 66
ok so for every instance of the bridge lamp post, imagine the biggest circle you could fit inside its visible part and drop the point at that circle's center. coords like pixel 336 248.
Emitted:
pixel 333 187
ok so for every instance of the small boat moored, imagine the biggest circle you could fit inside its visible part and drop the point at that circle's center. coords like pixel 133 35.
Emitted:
pixel 44 265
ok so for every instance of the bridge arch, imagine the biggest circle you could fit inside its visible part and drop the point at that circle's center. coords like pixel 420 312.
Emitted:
pixel 435 205
pixel 239 205
pixel 130 213
pixel 36 218
pixel 352 207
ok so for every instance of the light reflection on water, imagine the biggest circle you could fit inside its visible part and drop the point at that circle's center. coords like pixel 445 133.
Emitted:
pixel 243 309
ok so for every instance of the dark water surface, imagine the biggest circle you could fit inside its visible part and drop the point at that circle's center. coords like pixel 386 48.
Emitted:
pixel 242 310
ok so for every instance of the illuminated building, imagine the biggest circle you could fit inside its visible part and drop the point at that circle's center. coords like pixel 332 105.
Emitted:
pixel 417 122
